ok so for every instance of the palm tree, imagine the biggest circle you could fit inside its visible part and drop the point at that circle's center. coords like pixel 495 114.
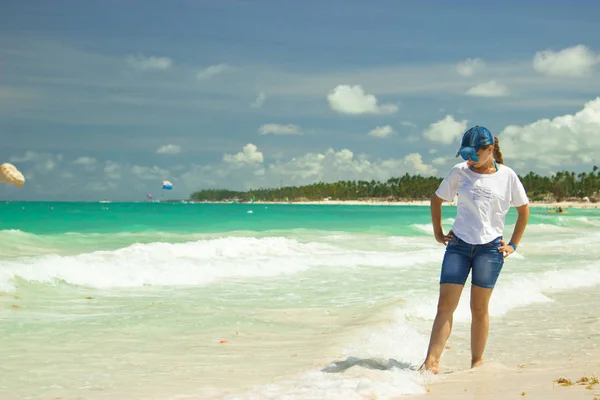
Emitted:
pixel 561 185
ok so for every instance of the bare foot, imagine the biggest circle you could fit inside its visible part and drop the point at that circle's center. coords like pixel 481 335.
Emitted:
pixel 477 363
pixel 434 367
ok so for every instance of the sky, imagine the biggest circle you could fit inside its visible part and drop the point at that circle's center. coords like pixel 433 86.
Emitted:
pixel 105 99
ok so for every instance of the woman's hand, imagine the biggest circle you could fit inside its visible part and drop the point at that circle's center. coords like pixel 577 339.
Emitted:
pixel 443 239
pixel 505 248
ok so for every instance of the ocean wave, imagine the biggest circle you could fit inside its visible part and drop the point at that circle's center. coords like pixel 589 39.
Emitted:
pixel 197 263
pixel 512 291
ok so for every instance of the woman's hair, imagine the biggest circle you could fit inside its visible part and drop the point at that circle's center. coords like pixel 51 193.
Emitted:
pixel 497 152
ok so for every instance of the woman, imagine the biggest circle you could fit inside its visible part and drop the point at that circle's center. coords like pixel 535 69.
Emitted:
pixel 485 188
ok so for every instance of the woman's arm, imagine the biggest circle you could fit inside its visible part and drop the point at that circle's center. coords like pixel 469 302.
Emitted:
pixel 522 219
pixel 520 225
pixel 436 220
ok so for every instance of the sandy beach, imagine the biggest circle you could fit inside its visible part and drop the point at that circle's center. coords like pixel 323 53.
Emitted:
pixel 550 205
pixel 554 340
pixel 529 382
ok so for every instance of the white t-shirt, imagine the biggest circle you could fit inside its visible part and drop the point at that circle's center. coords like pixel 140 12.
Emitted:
pixel 483 201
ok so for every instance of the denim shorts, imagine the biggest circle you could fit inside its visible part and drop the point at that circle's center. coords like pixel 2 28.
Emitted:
pixel 460 258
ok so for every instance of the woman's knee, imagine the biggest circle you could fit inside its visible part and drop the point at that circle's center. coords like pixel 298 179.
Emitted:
pixel 480 300
pixel 479 309
pixel 445 308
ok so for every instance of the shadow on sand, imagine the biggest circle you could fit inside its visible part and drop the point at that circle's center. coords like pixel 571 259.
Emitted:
pixel 371 363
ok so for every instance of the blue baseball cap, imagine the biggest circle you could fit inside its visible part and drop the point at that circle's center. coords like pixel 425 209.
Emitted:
pixel 473 140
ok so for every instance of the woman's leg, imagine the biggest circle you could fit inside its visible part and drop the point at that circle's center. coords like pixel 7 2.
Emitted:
pixel 442 326
pixel 487 264
pixel 480 324
pixel 455 270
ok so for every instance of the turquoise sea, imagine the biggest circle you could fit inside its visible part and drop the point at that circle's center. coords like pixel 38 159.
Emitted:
pixel 252 301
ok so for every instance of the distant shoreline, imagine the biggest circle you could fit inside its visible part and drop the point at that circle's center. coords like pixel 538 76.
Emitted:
pixel 369 202
pixel 550 205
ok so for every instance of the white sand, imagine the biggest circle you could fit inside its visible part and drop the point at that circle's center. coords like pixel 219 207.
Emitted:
pixel 528 350
pixel 529 382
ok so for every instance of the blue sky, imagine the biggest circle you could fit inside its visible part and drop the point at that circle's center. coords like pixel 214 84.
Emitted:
pixel 105 99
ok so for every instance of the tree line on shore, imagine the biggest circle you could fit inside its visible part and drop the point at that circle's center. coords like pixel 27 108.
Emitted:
pixel 558 187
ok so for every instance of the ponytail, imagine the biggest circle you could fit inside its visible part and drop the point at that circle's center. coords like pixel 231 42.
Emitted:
pixel 497 152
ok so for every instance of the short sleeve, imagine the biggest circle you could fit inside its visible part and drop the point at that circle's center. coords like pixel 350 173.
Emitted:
pixel 517 191
pixel 448 189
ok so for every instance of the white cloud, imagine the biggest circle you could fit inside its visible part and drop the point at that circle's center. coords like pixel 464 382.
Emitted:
pixel 565 140
pixel 47 165
pixel 488 89
pixel 347 99
pixel 327 166
pixel 150 173
pixel 382 131
pixel 42 163
pixel 249 155
pixel 409 124
pixel 198 177
pixel 441 160
pixel 416 161
pixel 169 149
pixel 85 161
pixel 142 62
pixel 342 165
pixel 574 61
pixel 212 71
pixel 260 100
pixel 277 129
pixel 470 67
pixel 446 130
pixel 28 156
pixel 243 170
pixel 112 170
